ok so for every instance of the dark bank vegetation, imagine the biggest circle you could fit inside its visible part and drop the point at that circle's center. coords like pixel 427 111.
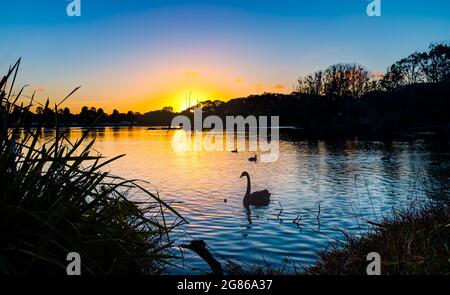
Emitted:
pixel 411 242
pixel 56 199
pixel 413 95
pixel 413 239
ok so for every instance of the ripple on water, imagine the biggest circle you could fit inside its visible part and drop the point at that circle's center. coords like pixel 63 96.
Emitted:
pixel 352 180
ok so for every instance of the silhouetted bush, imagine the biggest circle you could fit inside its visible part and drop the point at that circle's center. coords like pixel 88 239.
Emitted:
pixel 55 198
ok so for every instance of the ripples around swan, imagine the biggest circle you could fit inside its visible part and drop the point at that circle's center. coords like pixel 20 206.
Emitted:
pixel 350 180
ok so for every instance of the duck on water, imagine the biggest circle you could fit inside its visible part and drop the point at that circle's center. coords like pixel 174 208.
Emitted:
pixel 253 159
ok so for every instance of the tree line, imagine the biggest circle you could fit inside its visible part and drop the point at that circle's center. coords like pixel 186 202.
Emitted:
pixel 413 94
pixel 351 79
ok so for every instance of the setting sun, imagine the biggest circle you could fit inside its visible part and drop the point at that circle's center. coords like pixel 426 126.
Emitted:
pixel 181 89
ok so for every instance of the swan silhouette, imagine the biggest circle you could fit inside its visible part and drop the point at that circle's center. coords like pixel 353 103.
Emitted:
pixel 259 198
pixel 253 159
pixel 234 151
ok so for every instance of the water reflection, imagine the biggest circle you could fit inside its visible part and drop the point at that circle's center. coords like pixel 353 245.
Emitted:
pixel 352 180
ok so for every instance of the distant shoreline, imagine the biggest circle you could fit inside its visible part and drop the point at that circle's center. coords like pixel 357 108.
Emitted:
pixel 336 132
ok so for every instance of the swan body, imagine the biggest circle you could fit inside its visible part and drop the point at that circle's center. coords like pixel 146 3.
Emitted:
pixel 253 159
pixel 234 151
pixel 259 198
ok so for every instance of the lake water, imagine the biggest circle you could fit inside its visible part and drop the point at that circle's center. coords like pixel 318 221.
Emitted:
pixel 350 180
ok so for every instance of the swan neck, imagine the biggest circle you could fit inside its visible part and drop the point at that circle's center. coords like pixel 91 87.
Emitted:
pixel 247 193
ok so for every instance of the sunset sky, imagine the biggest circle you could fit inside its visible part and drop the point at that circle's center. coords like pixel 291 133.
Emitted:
pixel 132 55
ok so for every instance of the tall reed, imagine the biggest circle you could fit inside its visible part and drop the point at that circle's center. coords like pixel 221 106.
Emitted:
pixel 55 198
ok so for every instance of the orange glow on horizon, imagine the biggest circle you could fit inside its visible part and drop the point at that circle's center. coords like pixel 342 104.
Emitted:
pixel 145 91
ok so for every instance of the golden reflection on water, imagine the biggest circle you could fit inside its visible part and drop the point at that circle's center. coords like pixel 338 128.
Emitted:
pixel 344 177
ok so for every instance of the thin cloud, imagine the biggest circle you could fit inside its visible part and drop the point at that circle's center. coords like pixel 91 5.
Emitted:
pixel 39 88
pixel 191 74
pixel 279 87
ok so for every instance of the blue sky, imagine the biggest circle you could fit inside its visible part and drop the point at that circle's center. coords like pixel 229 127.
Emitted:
pixel 146 54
